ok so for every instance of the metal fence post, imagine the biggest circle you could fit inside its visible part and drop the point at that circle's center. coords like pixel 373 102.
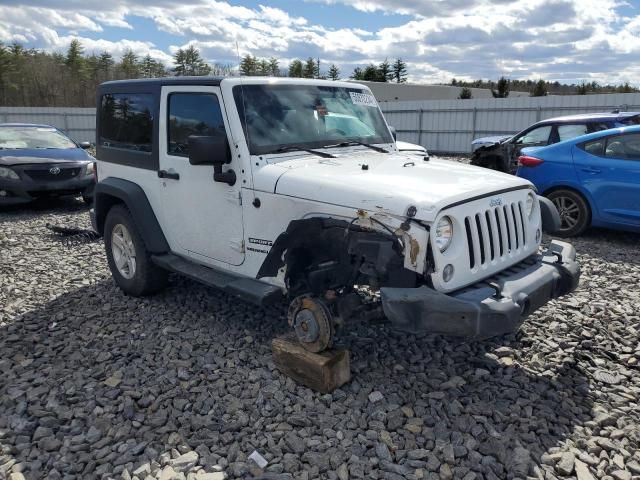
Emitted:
pixel 65 118
pixel 539 113
pixel 473 123
pixel 420 111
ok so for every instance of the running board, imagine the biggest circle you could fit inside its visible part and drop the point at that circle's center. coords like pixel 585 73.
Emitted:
pixel 249 289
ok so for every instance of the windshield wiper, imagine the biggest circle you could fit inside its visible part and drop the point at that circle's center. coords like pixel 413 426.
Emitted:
pixel 355 142
pixel 296 148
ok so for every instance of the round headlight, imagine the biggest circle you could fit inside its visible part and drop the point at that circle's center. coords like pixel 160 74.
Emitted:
pixel 528 207
pixel 444 233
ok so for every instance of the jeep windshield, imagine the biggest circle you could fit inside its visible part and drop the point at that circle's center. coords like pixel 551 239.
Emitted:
pixel 275 117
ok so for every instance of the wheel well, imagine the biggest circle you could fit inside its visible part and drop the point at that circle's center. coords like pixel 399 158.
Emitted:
pixel 555 188
pixel 106 203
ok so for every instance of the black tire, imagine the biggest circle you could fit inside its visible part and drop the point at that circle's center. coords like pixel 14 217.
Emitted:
pixel 145 277
pixel 574 211
pixel 87 200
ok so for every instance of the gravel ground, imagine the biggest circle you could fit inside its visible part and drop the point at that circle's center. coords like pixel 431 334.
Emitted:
pixel 94 384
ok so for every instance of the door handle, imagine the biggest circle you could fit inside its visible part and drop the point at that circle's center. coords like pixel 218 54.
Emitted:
pixel 591 170
pixel 171 175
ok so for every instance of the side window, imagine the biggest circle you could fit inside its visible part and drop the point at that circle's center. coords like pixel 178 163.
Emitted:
pixel 539 136
pixel 624 146
pixel 126 121
pixel 192 114
pixel 567 132
pixel 594 147
pixel 597 126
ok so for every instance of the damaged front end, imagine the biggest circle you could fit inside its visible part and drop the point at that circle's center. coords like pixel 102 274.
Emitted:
pixel 495 306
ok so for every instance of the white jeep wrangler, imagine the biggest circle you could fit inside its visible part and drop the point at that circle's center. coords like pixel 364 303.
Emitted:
pixel 268 187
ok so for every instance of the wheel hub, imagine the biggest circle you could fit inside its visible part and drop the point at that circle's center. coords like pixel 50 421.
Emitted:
pixel 306 326
pixel 312 322
pixel 123 250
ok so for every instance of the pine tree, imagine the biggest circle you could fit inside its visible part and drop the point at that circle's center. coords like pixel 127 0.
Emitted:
pixel 357 74
pixel 74 59
pixel 334 72
pixel 309 70
pixel 465 93
pixel 249 65
pixel 274 67
pixel 399 71
pixel 385 71
pixel 540 89
pixel 372 74
pixel 295 69
pixel 503 88
pixel 129 65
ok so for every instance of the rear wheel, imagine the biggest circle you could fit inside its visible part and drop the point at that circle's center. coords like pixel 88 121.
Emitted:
pixel 575 214
pixel 129 261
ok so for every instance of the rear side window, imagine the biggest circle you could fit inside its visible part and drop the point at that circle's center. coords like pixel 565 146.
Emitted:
pixel 626 147
pixel 567 132
pixel 538 136
pixel 126 121
pixel 192 114
pixel 595 147
pixel 623 146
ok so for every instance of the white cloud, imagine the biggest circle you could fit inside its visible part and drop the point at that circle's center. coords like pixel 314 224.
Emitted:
pixel 554 39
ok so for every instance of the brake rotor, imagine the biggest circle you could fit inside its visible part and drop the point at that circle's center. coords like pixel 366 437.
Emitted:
pixel 312 322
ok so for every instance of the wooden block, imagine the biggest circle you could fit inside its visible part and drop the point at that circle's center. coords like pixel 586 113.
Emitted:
pixel 323 372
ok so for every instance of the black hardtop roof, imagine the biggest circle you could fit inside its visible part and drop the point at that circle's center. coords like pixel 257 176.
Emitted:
pixel 151 84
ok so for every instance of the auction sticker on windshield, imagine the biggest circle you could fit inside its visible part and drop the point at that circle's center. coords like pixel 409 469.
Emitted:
pixel 363 99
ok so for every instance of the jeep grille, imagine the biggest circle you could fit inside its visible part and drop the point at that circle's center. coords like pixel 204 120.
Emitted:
pixel 495 233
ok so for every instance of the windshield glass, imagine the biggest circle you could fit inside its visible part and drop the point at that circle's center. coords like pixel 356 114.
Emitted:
pixel 309 116
pixel 33 137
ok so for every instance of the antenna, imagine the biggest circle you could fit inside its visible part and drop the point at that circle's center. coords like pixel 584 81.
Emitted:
pixel 246 124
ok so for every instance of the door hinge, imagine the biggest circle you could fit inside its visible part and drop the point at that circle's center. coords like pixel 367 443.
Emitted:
pixel 239 197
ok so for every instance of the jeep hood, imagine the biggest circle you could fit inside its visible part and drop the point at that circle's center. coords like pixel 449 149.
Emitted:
pixel 384 182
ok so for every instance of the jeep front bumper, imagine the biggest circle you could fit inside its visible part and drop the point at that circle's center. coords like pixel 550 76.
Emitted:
pixel 495 306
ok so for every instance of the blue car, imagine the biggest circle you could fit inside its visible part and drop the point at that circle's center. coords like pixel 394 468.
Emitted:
pixel 592 179
pixel 40 160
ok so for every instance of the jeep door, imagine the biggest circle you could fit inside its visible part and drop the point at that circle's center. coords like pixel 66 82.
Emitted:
pixel 202 218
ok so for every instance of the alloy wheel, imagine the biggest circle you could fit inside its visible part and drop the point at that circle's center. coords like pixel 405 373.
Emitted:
pixel 123 250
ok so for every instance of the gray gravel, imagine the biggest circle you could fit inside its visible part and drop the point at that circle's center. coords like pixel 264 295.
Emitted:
pixel 181 385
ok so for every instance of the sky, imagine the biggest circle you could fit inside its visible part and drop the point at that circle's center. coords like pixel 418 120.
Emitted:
pixel 569 41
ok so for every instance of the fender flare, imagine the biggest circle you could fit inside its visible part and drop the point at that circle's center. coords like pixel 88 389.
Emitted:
pixel 112 191
pixel 550 217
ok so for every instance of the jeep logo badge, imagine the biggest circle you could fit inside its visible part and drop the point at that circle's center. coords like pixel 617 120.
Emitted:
pixel 54 170
pixel 495 202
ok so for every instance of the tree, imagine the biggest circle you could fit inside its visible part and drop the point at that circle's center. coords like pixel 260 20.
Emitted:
pixel 582 89
pixel 129 65
pixel 357 74
pixel 334 72
pixel 309 70
pixel 540 89
pixel 150 68
pixel 274 67
pixel 399 71
pixel 190 62
pixel 372 74
pixel 74 59
pixel 295 69
pixel 385 71
pixel 503 88
pixel 465 93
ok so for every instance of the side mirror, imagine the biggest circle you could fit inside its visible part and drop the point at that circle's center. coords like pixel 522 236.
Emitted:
pixel 210 150
pixel 393 133
pixel 85 145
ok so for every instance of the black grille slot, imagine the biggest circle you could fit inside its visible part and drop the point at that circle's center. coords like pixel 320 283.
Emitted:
pixel 491 232
pixel 480 239
pixel 507 226
pixel 49 175
pixel 499 232
pixel 524 229
pixel 516 228
pixel 472 259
